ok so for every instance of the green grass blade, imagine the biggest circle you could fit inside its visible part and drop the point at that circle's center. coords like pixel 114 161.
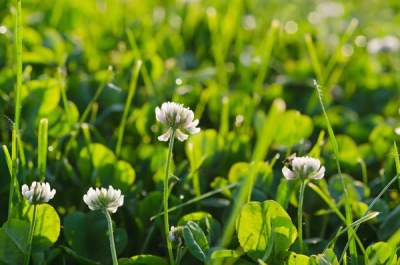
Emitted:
pixel 315 62
pixel 137 54
pixel 21 152
pixel 358 222
pixel 268 131
pixel 332 138
pixel 363 170
pixel 370 207
pixel 8 158
pixel 396 159
pixel 96 95
pixel 268 45
pixel 18 87
pixel 343 40
pixel 42 148
pixel 61 80
pixel 131 94
pixel 224 122
pixel 196 199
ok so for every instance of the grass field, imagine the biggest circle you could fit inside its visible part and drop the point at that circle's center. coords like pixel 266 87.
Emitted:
pixel 294 159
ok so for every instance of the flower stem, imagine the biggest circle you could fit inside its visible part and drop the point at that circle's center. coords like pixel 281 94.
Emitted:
pixel 300 215
pixel 30 236
pixel 165 198
pixel 111 237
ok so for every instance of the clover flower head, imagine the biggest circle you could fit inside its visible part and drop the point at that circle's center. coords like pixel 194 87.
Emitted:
pixel 386 44
pixel 177 118
pixel 104 199
pixel 175 234
pixel 303 168
pixel 38 192
pixel 171 235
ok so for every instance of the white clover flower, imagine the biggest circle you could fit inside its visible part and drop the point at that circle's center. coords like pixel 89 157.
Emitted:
pixel 386 44
pixel 171 235
pixel 397 130
pixel 176 117
pixel 304 168
pixel 38 192
pixel 104 199
pixel 175 234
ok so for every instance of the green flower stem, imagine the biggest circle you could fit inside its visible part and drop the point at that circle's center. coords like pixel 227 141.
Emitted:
pixel 165 198
pixel 30 236
pixel 18 85
pixel 111 237
pixel 300 215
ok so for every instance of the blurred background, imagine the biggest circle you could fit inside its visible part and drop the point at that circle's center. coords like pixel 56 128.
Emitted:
pixel 233 62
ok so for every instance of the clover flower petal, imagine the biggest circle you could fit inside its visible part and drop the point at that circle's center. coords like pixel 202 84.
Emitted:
pixel 176 117
pixel 171 235
pixel 304 168
pixel 38 192
pixel 104 199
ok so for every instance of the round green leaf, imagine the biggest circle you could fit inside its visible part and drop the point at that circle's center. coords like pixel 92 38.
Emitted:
pixel 47 228
pixel 297 259
pixel 348 151
pixel 97 156
pixel 381 253
pixel 294 127
pixel 263 226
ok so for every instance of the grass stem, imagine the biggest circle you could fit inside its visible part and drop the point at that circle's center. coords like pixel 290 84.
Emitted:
pixel 165 198
pixel 111 238
pixel 300 215
pixel 131 93
pixel 30 236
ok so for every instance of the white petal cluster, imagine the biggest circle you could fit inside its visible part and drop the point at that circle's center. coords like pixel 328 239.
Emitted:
pixel 171 235
pixel 176 117
pixel 304 168
pixel 38 192
pixel 104 199
pixel 385 44
pixel 175 234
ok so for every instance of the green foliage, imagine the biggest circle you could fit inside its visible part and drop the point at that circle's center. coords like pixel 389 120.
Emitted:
pixel 86 234
pixel 195 240
pixel 143 260
pixel 79 81
pixel 47 228
pixel 13 241
pixel 99 165
pixel 264 229
pixel 381 253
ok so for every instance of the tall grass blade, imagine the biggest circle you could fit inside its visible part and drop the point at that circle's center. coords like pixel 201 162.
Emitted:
pixel 18 87
pixel 42 146
pixel 268 45
pixel 315 62
pixel 348 211
pixel 8 158
pixel 131 94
